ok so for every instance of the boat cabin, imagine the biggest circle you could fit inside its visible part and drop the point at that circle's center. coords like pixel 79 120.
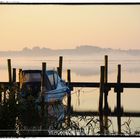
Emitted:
pixel 30 81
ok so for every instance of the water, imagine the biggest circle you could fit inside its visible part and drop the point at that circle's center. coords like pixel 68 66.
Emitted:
pixel 87 69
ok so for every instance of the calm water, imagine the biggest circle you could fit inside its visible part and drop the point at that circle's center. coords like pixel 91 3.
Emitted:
pixel 88 69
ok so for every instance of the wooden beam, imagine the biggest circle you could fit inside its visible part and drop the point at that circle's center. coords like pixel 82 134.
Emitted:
pixel 111 114
pixel 91 84
pixel 109 84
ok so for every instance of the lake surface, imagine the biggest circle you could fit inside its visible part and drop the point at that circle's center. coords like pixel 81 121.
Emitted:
pixel 87 69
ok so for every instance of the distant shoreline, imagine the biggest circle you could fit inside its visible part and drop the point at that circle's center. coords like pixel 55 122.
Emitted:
pixel 84 50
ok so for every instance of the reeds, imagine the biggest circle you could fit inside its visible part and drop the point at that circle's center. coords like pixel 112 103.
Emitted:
pixel 20 117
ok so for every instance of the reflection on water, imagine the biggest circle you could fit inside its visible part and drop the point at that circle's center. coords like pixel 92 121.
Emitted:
pixel 29 120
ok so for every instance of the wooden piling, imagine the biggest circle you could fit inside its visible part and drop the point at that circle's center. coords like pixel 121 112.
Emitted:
pixel 119 100
pixel 19 78
pixel 19 74
pixel 43 77
pixel 9 70
pixel 14 81
pixel 101 99
pixel 43 84
pixel 106 69
pixel 69 96
pixel 14 75
pixel 60 66
pixel 106 95
pixel 58 71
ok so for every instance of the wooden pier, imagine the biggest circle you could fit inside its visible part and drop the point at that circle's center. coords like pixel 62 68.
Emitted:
pixel 104 88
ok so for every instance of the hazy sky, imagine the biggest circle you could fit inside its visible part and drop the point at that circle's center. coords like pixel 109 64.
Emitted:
pixel 60 26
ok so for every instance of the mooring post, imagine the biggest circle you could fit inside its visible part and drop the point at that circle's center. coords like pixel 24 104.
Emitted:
pixel 9 70
pixel 60 66
pixel 106 69
pixel 118 89
pixel 119 100
pixel 58 71
pixel 20 78
pixel 14 75
pixel 19 74
pixel 69 96
pixel 101 99
pixel 106 108
pixel 14 79
pixel 10 78
pixel 43 84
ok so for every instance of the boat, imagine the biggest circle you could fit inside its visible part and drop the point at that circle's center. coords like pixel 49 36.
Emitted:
pixel 30 84
pixel 54 92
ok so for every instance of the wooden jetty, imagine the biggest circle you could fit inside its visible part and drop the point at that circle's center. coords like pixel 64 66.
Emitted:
pixel 104 88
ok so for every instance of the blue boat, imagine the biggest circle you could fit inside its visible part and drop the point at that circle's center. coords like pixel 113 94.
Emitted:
pixel 54 91
pixel 30 84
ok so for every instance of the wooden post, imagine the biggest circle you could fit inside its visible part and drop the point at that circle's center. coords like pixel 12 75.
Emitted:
pixel 101 99
pixel 43 84
pixel 19 77
pixel 14 75
pixel 106 69
pixel 60 66
pixel 14 81
pixel 106 94
pixel 119 100
pixel 58 71
pixel 69 96
pixel 118 89
pixel 9 70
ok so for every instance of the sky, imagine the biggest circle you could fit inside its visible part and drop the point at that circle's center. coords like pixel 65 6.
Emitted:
pixel 69 26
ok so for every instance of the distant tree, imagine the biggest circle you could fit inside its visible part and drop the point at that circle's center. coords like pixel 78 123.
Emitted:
pixel 36 48
pixel 26 49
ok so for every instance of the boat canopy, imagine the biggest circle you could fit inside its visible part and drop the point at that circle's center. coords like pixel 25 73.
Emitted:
pixel 31 76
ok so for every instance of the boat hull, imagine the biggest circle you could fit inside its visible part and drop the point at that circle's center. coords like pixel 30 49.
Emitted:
pixel 55 95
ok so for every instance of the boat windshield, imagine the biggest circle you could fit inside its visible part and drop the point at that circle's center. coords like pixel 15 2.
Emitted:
pixel 32 77
pixel 53 78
